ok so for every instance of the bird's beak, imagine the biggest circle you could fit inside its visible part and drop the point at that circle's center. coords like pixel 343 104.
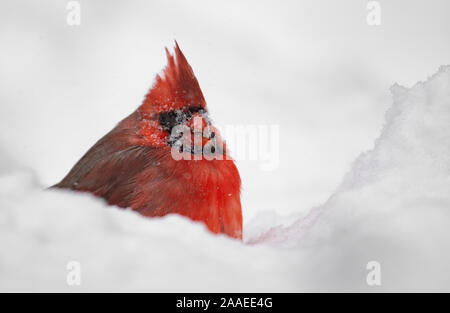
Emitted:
pixel 204 134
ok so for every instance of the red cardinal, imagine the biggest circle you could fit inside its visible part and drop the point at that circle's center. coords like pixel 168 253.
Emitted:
pixel 137 165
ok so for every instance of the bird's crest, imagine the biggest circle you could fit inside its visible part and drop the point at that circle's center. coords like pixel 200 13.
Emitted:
pixel 176 88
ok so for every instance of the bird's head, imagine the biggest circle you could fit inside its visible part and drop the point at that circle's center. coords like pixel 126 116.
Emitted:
pixel 174 112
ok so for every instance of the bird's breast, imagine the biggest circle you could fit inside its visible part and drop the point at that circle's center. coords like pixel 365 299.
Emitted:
pixel 203 190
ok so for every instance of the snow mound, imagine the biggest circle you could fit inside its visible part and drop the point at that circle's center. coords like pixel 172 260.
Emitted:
pixel 41 231
pixel 392 207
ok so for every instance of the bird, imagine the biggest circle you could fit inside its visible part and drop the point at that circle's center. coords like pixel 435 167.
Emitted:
pixel 166 157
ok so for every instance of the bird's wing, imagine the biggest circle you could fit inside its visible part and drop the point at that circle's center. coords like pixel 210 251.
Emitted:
pixel 110 169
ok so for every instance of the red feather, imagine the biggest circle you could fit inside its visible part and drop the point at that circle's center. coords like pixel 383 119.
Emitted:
pixel 132 166
pixel 176 89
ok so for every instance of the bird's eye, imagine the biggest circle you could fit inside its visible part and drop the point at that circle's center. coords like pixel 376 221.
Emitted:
pixel 168 120
pixel 195 109
pixel 188 115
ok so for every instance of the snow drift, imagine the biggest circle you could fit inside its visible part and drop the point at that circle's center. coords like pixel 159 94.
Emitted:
pixel 392 207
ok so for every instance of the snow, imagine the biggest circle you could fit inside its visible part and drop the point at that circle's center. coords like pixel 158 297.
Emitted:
pixel 391 207
pixel 118 250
